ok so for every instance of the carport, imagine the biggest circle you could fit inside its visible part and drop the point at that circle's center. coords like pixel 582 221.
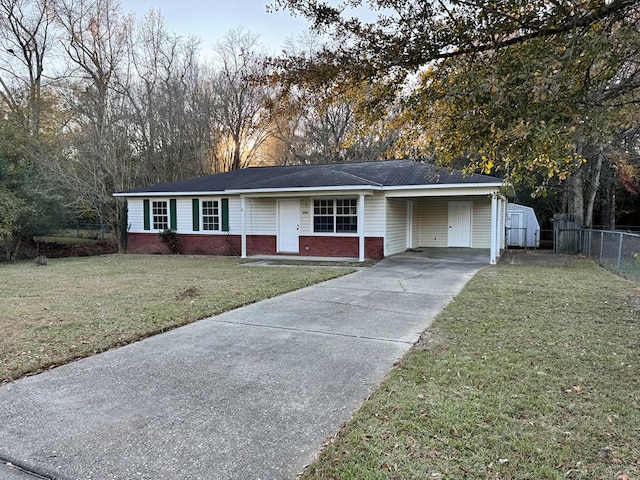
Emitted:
pixel 450 217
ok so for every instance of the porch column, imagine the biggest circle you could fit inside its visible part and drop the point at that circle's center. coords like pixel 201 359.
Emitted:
pixel 493 255
pixel 361 228
pixel 243 213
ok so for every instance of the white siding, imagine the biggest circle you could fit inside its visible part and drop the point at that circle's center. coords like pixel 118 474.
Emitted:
pixel 433 217
pixel 261 216
pixel 184 215
pixel 396 236
pixel 135 213
pixel 235 215
pixel 481 228
pixel 374 224
pixel 306 216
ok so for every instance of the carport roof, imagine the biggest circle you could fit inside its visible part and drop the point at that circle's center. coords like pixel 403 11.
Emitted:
pixel 366 175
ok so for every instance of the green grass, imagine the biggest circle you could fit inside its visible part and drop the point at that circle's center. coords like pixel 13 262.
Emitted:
pixel 75 307
pixel 530 373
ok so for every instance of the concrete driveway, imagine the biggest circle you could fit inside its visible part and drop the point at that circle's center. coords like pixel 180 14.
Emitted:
pixel 250 394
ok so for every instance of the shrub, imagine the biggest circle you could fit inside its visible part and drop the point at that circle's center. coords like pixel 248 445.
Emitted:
pixel 171 240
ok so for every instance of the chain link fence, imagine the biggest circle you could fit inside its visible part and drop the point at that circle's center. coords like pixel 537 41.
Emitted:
pixel 615 250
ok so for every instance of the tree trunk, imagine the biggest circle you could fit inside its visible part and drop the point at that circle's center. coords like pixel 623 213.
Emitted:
pixel 120 225
pixel 594 187
pixel 12 246
pixel 575 196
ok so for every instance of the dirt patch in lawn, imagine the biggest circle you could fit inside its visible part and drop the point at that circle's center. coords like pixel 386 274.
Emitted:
pixel 537 258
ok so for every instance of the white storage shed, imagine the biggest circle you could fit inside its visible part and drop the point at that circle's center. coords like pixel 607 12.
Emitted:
pixel 523 229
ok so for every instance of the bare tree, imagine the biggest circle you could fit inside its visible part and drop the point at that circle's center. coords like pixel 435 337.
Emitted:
pixel 241 96
pixel 172 103
pixel 26 35
pixel 98 158
pixel 323 119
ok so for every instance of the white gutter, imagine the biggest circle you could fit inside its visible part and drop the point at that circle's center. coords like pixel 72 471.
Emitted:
pixel 444 185
pixel 169 194
pixel 297 190
pixel 294 190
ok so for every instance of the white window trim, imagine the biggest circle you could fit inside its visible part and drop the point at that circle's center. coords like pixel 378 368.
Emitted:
pixel 152 222
pixel 334 233
pixel 202 215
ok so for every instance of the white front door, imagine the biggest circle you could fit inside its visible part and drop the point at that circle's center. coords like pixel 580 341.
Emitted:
pixel 288 226
pixel 460 224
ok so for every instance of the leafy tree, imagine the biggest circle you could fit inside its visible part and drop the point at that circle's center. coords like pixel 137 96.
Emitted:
pixel 542 92
pixel 542 112
pixel 27 206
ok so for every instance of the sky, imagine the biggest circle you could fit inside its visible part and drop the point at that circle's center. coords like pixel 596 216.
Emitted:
pixel 211 19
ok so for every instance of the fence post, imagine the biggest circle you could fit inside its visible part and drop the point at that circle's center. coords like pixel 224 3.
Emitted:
pixel 620 252
pixel 601 245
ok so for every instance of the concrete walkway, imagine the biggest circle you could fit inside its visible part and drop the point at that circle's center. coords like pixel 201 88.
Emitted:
pixel 250 394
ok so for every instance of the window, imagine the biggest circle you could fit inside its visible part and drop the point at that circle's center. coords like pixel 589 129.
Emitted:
pixel 210 215
pixel 160 215
pixel 338 215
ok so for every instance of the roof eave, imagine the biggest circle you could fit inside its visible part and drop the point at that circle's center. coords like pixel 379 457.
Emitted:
pixel 347 188
pixel 446 185
pixel 169 194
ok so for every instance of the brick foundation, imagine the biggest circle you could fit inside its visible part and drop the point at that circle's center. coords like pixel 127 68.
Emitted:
pixel 198 244
pixel 189 244
pixel 374 248
pixel 261 244
pixel 329 246
pixel 341 247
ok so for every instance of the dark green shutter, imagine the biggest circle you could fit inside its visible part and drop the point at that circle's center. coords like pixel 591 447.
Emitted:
pixel 173 219
pixel 225 214
pixel 147 215
pixel 196 214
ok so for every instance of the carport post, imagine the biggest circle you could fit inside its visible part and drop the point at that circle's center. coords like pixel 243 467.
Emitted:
pixel 361 228
pixel 243 241
pixel 493 256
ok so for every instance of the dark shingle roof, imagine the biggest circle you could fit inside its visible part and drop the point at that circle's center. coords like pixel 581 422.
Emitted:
pixel 390 173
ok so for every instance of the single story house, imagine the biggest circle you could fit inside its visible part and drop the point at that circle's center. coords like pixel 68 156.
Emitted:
pixel 356 210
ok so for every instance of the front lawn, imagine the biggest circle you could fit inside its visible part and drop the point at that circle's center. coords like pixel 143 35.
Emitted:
pixel 530 373
pixel 75 307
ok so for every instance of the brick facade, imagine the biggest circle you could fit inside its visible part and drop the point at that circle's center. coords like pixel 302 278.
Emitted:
pixel 261 244
pixel 341 247
pixel 198 244
pixel 374 248
pixel 189 244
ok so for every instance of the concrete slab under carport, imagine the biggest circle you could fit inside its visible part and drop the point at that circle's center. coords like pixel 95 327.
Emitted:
pixel 252 393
